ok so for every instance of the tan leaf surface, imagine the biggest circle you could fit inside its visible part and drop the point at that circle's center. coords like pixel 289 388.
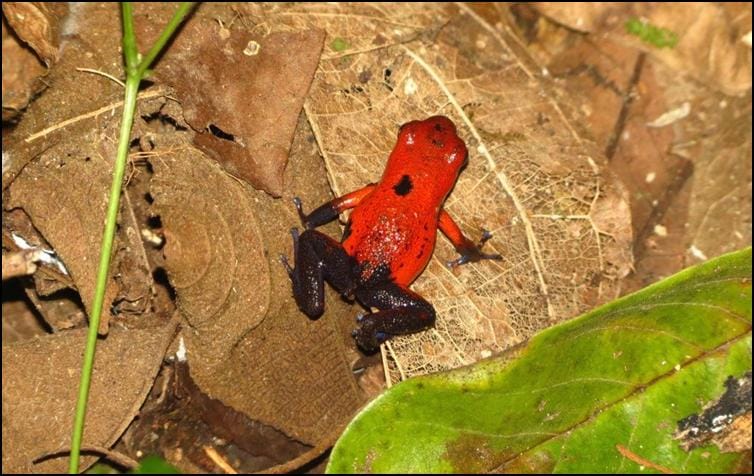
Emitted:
pixel 38 406
pixel 710 46
pixel 532 180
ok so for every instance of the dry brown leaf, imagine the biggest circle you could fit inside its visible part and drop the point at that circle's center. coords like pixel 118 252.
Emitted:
pixel 38 406
pixel 716 138
pixel 690 179
pixel 351 29
pixel 532 180
pixel 72 103
pixel 253 352
pixel 64 193
pixel 38 24
pixel 21 72
pixel 213 250
pixel 710 47
pixel 241 91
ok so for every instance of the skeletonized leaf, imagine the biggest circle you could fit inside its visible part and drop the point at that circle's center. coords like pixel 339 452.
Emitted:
pixel 562 225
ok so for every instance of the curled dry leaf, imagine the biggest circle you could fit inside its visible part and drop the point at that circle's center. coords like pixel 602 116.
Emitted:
pixel 532 180
pixel 31 40
pixel 64 193
pixel 39 25
pixel 21 72
pixel 709 35
pixel 38 406
pixel 256 354
pixel 213 252
pixel 241 91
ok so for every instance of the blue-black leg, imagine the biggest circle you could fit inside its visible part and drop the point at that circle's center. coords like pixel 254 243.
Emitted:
pixel 401 311
pixel 318 258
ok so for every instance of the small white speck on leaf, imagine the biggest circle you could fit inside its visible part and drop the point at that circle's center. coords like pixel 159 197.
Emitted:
pixel 697 253
pixel 252 48
pixel 672 116
pixel 410 87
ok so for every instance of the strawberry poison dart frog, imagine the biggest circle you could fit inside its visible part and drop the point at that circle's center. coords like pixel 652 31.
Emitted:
pixel 389 237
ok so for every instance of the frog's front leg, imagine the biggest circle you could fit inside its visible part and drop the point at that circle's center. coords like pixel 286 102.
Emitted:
pixel 401 311
pixel 317 258
pixel 470 252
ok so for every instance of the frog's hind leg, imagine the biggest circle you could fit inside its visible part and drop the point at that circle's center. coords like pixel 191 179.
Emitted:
pixel 401 311
pixel 317 258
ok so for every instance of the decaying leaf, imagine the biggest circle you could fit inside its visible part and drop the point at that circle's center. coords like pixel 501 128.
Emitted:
pixel 38 24
pixel 532 179
pixel 31 41
pixel 38 405
pixel 213 252
pixel 248 345
pixel 64 192
pixel 709 46
pixel 21 72
pixel 241 91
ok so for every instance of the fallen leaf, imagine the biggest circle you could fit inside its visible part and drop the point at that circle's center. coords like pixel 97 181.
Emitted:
pixel 213 250
pixel 249 346
pixel 38 406
pixel 21 72
pixel 39 25
pixel 532 179
pixel 241 92
pixel 65 193
pixel 708 47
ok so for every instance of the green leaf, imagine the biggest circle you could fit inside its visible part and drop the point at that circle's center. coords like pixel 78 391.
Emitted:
pixel 155 465
pixel 623 374
pixel 651 34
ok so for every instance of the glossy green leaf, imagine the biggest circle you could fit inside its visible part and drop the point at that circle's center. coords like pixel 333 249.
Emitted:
pixel 623 374
pixel 155 465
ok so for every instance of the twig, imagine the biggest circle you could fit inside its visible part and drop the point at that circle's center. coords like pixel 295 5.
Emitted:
pixel 641 461
pixel 111 455
pixel 219 460
pixel 20 263
pixel 102 73
pixel 73 120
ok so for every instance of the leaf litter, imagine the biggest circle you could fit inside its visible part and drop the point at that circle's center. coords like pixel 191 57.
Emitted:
pixel 536 179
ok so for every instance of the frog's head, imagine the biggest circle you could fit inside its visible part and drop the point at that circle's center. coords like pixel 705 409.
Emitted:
pixel 431 151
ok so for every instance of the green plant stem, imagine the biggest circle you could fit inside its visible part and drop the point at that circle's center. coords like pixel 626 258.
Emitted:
pixel 180 14
pixel 135 73
pixel 129 106
pixel 130 51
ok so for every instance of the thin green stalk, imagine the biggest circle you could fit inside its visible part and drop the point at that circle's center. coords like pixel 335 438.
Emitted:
pixel 132 87
pixel 135 73
pixel 172 25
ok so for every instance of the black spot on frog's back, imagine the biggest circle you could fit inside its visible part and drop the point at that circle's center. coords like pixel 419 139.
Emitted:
pixel 404 186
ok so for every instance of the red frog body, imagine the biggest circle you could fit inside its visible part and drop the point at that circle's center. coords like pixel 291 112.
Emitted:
pixel 389 237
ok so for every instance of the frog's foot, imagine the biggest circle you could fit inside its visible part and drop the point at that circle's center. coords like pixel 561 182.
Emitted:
pixel 401 311
pixel 473 253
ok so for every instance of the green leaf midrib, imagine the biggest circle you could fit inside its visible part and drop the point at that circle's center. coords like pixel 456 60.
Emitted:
pixel 633 392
